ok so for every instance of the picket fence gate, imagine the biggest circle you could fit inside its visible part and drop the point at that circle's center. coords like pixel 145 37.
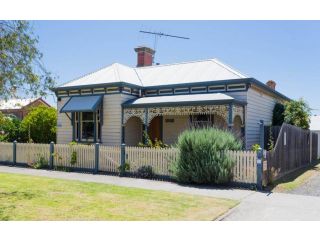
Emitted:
pixel 108 159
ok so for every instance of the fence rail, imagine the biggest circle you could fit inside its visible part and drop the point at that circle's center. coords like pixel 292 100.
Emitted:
pixel 108 159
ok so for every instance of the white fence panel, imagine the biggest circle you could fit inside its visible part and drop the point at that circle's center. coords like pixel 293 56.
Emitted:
pixel 84 156
pixel 109 158
pixel 159 159
pixel 245 168
pixel 6 152
pixel 29 153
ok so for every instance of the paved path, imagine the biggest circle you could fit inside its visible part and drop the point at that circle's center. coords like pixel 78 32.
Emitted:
pixel 310 188
pixel 253 206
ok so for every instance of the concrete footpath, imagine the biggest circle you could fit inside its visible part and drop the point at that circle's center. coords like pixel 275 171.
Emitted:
pixel 254 205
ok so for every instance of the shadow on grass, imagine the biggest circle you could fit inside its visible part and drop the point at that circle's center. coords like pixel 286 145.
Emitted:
pixel 291 177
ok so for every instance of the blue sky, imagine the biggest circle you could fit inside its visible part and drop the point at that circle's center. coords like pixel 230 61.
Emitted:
pixel 287 52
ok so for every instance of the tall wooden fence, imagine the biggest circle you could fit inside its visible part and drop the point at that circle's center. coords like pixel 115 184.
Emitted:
pixel 107 159
pixel 294 148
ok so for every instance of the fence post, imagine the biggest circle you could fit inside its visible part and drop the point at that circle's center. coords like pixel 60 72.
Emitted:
pixel 14 155
pixel 259 168
pixel 123 159
pixel 51 155
pixel 96 158
pixel 261 134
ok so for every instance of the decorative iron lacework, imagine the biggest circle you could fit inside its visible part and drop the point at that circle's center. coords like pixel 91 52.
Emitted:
pixel 220 110
pixel 238 111
pixel 134 112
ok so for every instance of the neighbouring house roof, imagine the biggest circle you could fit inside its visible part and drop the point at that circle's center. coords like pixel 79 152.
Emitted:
pixel 15 103
pixel 82 104
pixel 211 98
pixel 157 75
pixel 315 123
pixel 18 103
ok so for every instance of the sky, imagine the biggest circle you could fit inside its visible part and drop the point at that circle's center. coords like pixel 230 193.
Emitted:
pixel 287 52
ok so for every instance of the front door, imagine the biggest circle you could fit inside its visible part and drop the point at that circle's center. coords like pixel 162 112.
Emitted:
pixel 155 128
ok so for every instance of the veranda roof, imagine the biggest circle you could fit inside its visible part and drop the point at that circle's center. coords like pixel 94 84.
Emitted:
pixel 180 100
pixel 82 104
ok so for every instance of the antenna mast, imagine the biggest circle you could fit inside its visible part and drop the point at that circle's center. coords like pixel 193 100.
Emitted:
pixel 158 35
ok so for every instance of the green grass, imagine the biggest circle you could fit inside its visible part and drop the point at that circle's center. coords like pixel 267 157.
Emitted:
pixel 295 179
pixel 38 198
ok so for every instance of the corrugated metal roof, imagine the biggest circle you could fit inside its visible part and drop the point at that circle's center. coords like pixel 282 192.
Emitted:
pixel 315 123
pixel 186 72
pixel 15 103
pixel 190 98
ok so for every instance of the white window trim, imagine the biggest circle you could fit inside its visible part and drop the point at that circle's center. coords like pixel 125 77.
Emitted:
pixel 177 89
pixel 199 89
pixel 217 90
pixel 168 91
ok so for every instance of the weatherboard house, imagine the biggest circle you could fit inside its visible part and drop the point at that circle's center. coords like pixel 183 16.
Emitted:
pixel 118 103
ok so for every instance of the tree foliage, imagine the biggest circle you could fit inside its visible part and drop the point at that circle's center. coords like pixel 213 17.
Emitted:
pixel 297 113
pixel 40 125
pixel 9 129
pixel 20 61
pixel 278 114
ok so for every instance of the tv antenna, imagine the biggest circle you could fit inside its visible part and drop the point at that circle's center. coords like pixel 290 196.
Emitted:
pixel 158 35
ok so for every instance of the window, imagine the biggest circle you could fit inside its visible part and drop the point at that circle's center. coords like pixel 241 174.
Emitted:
pixel 62 93
pixel 151 92
pixel 201 120
pixel 135 92
pixel 99 90
pixel 165 91
pixel 236 87
pixel 86 91
pixel 112 90
pixel 126 90
pixel 198 89
pixel 84 126
pixel 181 90
pixel 217 88
pixel 74 92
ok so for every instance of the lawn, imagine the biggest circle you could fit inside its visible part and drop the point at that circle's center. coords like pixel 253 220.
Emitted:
pixel 296 179
pixel 38 198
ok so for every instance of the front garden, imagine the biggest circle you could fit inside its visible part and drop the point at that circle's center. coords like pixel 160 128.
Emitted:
pixel 39 198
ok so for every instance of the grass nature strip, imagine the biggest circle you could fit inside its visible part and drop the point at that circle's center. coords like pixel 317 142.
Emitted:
pixel 39 198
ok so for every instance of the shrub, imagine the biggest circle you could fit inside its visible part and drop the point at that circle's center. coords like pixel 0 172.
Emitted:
pixel 74 156
pixel 202 159
pixel 152 144
pixel 40 125
pixel 9 128
pixel 255 147
pixel 39 163
pixel 297 113
pixel 145 172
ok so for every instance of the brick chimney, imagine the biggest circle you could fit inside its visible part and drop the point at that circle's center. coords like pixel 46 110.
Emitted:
pixel 272 84
pixel 144 56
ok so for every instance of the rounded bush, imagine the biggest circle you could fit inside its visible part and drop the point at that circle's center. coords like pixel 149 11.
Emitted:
pixel 202 156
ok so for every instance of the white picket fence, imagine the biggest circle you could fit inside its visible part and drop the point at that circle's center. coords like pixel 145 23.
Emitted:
pixel 29 153
pixel 245 166
pixel 6 152
pixel 85 156
pixel 109 158
pixel 161 160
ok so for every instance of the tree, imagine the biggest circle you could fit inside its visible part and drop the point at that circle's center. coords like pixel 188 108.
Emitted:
pixel 39 125
pixel 297 113
pixel 278 114
pixel 20 61
pixel 9 129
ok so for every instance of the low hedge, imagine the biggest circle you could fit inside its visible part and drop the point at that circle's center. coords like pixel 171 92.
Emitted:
pixel 202 159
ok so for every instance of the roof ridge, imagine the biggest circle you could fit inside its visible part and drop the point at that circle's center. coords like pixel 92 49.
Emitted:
pixel 229 68
pixel 176 63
